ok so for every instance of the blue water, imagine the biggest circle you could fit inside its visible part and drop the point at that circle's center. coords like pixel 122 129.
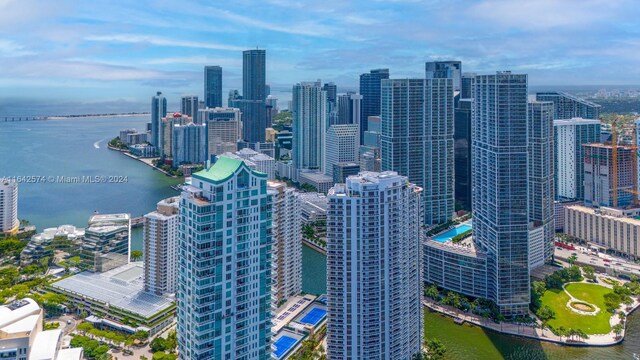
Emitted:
pixel 282 345
pixel 453 232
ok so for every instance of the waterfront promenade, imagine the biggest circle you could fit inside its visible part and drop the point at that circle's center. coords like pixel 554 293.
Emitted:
pixel 528 331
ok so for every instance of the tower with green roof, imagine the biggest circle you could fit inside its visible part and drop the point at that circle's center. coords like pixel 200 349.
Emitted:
pixel 224 270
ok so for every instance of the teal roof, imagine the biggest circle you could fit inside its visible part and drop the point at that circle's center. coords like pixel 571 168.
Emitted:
pixel 223 169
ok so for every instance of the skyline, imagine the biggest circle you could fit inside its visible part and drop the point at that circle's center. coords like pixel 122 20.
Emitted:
pixel 104 52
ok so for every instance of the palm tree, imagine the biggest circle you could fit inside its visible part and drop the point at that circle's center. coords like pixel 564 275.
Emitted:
pixel 561 332
pixel 617 329
pixel 136 255
pixel 572 259
pixel 432 292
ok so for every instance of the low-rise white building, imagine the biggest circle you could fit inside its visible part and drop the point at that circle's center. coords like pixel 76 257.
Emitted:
pixel 610 229
pixel 22 336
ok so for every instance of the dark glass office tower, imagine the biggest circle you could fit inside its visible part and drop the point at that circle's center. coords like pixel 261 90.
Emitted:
pixel 370 91
pixel 567 106
pixel 500 187
pixel 462 151
pixel 213 86
pixel 252 104
pixel 254 75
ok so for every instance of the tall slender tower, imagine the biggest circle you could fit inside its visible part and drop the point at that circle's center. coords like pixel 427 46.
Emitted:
pixel 309 125
pixel 254 75
pixel 212 86
pixel 158 111
pixel 374 283
pixel 161 247
pixel 500 198
pixel 286 255
pixel 224 269
pixel 370 91
pixel 417 139
pixel 541 189
pixel 9 222
pixel 252 104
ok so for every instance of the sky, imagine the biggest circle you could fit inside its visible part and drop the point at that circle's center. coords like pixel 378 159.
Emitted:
pixel 122 52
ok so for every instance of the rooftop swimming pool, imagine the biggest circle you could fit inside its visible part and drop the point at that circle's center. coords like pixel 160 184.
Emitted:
pixel 452 233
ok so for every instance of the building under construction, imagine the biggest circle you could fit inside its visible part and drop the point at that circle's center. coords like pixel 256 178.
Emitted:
pixel 602 173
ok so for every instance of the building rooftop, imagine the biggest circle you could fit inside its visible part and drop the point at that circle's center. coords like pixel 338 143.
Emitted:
pixel 223 169
pixel 70 354
pixel 575 121
pixel 18 310
pixel 45 345
pixel 611 213
pixel 122 287
pixel 607 146
pixel 108 217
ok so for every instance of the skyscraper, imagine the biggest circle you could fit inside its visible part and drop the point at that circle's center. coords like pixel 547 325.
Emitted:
pixel 342 145
pixel 254 75
pixel 107 242
pixel 158 111
pixel 212 86
pixel 467 83
pixel 9 222
pixel 444 70
pixel 349 109
pixel 332 92
pixel 309 125
pixel 224 264
pixel 462 154
pixel 541 189
pixel 224 128
pixel 568 106
pixel 189 107
pixel 286 254
pixel 417 139
pixel 189 144
pixel 500 200
pixel 569 136
pixel 370 91
pixel 374 284
pixel 161 247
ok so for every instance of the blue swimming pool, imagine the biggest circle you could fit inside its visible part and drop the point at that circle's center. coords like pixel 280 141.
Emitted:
pixel 453 232
pixel 283 345
pixel 314 316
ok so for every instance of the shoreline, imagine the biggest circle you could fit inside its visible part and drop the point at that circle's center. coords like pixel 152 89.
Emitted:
pixel 535 333
pixel 314 246
pixel 131 156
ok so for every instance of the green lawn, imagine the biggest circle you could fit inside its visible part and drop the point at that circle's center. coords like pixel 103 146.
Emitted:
pixel 591 293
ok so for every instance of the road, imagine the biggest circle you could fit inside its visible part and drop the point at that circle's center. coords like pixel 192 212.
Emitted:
pixel 615 264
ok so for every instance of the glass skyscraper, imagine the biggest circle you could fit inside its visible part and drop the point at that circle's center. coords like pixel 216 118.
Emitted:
pixel 212 86
pixel 417 139
pixel 370 91
pixel 462 154
pixel 254 75
pixel 500 199
pixel 568 106
pixel 158 111
pixel 445 69
pixel 224 269
pixel 309 125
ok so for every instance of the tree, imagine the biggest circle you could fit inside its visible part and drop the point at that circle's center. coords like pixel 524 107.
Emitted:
pixel 158 344
pixel 589 273
pixel 172 341
pixel 545 313
pixel 561 331
pixel 435 349
pixel 432 292
pixel 141 335
pixel 136 255
pixel 617 329
pixel 572 260
pixel 85 327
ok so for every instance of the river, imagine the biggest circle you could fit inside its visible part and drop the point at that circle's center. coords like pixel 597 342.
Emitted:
pixel 77 147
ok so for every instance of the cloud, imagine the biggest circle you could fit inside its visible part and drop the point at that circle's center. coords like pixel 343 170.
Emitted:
pixel 9 48
pixel 545 14
pixel 160 41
